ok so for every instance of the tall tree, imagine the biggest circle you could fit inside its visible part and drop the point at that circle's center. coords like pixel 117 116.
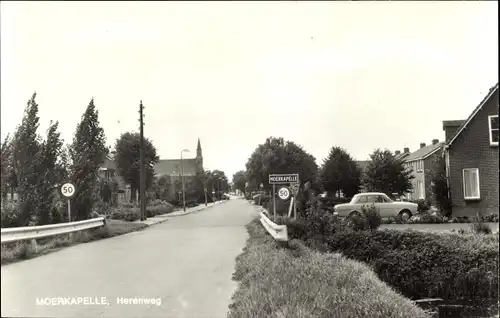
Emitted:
pixel 239 181
pixel 128 160
pixel 87 153
pixel 25 159
pixel 387 174
pixel 6 171
pixel 279 156
pixel 340 172
pixel 51 173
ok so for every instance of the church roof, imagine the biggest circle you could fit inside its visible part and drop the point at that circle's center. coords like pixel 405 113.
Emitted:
pixel 173 167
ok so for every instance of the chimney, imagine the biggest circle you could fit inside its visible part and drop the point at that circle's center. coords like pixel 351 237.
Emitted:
pixel 406 150
pixel 435 141
pixel 397 152
pixel 422 144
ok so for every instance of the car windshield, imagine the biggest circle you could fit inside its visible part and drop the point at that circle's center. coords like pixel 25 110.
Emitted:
pixel 354 199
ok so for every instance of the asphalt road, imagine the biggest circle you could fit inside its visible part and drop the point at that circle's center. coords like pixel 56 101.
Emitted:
pixel 187 263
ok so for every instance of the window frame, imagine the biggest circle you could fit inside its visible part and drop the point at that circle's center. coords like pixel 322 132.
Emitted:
pixel 478 184
pixel 490 130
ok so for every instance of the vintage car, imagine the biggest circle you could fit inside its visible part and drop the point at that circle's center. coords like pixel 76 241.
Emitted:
pixel 385 206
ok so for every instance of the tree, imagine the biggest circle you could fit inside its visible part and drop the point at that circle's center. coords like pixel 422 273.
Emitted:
pixel 279 156
pixel 387 174
pixel 439 186
pixel 128 160
pixel 6 172
pixel 87 151
pixel 220 182
pixel 51 173
pixel 25 161
pixel 340 172
pixel 239 181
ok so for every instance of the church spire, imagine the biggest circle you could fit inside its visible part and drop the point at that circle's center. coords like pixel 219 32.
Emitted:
pixel 198 149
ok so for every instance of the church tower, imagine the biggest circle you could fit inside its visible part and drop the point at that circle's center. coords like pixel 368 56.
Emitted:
pixel 199 157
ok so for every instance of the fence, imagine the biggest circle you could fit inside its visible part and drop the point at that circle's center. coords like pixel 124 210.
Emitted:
pixel 25 233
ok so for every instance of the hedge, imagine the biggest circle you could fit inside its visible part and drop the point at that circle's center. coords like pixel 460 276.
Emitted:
pixel 418 264
pixel 299 282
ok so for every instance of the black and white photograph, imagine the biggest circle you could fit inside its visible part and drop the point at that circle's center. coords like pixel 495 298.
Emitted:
pixel 248 159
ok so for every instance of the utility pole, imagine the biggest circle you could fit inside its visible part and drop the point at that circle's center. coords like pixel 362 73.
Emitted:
pixel 142 188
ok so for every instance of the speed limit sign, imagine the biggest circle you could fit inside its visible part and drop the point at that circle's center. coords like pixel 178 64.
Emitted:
pixel 284 193
pixel 68 190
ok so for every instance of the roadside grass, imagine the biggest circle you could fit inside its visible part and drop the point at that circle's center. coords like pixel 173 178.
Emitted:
pixel 25 250
pixel 299 282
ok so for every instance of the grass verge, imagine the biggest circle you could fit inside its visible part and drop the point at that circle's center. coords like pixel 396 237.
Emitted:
pixel 24 250
pixel 300 282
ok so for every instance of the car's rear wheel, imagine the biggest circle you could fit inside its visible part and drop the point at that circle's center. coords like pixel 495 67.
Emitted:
pixel 405 216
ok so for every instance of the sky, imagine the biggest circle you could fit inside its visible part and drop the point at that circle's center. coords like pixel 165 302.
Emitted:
pixel 360 75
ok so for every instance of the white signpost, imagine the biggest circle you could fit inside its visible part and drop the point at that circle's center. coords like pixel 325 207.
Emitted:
pixel 292 179
pixel 284 193
pixel 68 190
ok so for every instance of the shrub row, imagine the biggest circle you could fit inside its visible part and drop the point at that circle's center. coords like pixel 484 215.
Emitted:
pixel 417 264
pixel 130 212
pixel 299 282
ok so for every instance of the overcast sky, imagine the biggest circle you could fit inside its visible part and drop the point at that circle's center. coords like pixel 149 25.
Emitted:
pixel 361 75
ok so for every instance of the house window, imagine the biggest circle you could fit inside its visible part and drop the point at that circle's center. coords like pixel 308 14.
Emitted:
pixel 421 191
pixel 493 126
pixel 471 183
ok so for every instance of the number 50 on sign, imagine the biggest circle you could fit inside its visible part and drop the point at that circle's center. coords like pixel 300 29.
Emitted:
pixel 284 193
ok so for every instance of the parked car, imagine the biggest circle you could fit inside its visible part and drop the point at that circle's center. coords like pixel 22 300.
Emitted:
pixel 386 206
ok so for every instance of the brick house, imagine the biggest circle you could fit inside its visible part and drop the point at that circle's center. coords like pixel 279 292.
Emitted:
pixel 422 163
pixel 471 156
pixel 175 169
pixel 108 172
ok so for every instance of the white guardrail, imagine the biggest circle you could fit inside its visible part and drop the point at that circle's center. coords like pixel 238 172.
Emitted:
pixel 279 232
pixel 35 232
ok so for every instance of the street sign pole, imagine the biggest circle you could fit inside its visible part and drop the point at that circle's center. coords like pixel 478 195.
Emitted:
pixel 274 201
pixel 69 210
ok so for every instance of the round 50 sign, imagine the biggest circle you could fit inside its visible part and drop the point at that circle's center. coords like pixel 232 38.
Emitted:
pixel 284 193
pixel 68 190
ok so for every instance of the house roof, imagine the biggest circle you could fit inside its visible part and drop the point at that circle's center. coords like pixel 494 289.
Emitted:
pixel 424 152
pixel 173 167
pixel 474 113
pixel 402 155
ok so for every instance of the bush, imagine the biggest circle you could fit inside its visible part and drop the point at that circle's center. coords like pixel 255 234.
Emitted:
pixel 486 218
pixel 11 215
pixel 480 228
pixel 423 205
pixel 277 282
pixel 159 208
pixel 281 207
pixel 422 265
pixel 428 218
pixel 372 216
pixel 125 213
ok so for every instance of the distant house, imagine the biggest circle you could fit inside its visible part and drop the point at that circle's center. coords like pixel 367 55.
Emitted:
pixel 402 155
pixel 108 172
pixel 174 169
pixel 422 163
pixel 471 156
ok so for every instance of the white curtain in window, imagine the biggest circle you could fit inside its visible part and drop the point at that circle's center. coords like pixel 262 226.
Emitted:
pixel 471 186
